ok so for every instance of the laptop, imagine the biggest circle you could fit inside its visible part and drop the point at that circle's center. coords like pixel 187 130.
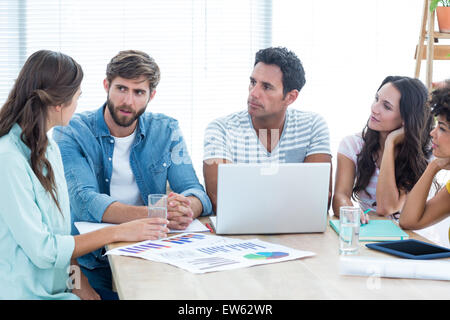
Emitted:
pixel 272 198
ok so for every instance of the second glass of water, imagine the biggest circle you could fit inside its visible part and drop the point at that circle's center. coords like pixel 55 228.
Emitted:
pixel 349 220
pixel 157 206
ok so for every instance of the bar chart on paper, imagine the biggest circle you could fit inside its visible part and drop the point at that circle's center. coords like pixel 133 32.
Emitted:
pixel 142 247
pixel 209 263
pixel 153 250
pixel 200 253
pixel 186 238
pixel 231 248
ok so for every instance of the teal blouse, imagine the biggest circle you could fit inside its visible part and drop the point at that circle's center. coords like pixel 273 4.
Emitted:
pixel 35 241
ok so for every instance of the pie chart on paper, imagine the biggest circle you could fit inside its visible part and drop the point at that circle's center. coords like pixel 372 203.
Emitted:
pixel 266 255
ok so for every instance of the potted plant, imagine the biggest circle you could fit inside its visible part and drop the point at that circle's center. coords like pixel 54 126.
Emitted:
pixel 443 14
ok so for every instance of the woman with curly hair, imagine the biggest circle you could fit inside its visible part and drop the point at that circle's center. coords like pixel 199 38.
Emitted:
pixel 378 167
pixel 419 213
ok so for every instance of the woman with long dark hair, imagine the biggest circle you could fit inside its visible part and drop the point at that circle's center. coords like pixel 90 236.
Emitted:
pixel 378 167
pixel 35 225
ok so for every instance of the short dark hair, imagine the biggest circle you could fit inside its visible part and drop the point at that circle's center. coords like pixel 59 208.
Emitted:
pixel 440 102
pixel 290 65
pixel 131 64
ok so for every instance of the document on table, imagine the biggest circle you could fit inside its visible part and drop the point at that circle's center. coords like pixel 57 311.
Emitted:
pixel 395 268
pixel 201 253
pixel 85 227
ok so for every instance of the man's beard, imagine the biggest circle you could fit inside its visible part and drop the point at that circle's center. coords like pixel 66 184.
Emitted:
pixel 122 121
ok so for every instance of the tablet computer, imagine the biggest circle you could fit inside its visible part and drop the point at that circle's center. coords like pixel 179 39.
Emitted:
pixel 411 249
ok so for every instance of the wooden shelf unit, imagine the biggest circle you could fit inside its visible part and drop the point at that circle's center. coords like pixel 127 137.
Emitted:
pixel 430 51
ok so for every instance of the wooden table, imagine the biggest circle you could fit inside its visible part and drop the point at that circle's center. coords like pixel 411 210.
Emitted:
pixel 309 278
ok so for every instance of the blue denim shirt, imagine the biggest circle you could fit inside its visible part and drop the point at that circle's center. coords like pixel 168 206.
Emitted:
pixel 158 155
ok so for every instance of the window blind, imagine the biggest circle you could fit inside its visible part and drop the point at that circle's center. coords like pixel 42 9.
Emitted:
pixel 204 48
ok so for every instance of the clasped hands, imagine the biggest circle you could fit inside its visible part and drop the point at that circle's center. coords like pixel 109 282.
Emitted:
pixel 179 211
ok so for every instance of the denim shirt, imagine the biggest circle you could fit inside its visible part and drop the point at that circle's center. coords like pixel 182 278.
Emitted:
pixel 158 155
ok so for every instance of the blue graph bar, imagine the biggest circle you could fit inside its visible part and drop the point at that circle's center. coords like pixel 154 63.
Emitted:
pixel 178 242
pixel 246 245
pixel 130 250
pixel 185 239
pixel 213 250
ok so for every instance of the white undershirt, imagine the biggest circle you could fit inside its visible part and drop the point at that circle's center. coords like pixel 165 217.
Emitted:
pixel 123 186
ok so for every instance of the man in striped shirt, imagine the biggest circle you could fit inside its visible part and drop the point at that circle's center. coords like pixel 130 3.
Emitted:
pixel 267 132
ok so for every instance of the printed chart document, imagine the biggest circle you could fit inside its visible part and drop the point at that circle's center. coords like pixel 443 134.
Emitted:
pixel 201 253
pixel 85 227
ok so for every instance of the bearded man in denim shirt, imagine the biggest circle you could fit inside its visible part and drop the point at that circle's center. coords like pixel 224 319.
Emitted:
pixel 116 156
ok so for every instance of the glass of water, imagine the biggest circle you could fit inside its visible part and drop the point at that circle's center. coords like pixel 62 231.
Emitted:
pixel 157 206
pixel 349 220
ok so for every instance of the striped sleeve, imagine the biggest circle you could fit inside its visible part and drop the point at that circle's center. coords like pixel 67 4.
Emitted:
pixel 215 144
pixel 320 137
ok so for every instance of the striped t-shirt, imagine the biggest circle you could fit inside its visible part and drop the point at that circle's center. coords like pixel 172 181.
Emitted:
pixel 350 147
pixel 233 138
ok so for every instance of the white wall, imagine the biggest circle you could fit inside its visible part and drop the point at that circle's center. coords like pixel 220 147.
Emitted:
pixel 347 48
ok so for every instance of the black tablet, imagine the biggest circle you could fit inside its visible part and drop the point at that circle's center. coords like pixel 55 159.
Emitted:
pixel 411 249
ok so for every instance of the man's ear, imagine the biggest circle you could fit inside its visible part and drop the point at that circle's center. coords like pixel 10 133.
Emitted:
pixel 291 96
pixel 152 95
pixel 106 85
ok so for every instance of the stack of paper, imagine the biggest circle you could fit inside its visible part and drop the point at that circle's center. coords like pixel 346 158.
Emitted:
pixel 85 227
pixel 201 253
pixel 395 268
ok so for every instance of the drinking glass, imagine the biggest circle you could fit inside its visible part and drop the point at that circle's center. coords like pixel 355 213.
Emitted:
pixel 349 221
pixel 157 206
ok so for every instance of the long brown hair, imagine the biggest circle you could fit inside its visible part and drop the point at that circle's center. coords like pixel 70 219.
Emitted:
pixel 47 79
pixel 414 152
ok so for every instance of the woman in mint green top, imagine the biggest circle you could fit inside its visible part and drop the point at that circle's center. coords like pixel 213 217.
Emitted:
pixel 36 246
pixel 36 249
